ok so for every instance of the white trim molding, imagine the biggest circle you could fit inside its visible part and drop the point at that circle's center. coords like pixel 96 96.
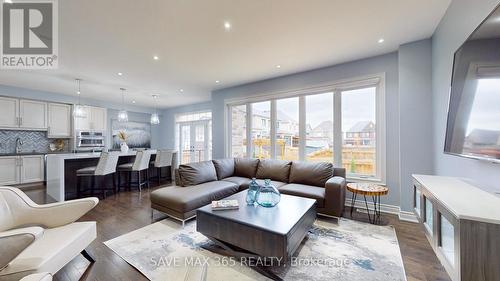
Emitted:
pixel 359 206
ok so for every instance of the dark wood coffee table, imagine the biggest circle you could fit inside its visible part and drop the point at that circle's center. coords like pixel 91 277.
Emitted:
pixel 254 231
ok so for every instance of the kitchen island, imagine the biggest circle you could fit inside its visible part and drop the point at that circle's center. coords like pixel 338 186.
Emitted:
pixel 61 170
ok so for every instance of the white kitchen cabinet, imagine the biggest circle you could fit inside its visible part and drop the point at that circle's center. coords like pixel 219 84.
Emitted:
pixel 95 120
pixel 9 108
pixel 32 114
pixel 21 169
pixel 59 120
pixel 83 123
pixel 32 168
pixel 98 119
pixel 9 170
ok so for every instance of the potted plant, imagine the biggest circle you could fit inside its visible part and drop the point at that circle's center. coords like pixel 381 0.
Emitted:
pixel 123 141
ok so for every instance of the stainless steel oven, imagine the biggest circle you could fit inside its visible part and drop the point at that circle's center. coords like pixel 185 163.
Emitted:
pixel 90 140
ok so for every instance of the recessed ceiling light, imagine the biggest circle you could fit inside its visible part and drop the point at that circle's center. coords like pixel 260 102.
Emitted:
pixel 227 25
pixel 381 40
pixel 278 66
pixel 133 101
pixel 156 58
pixel 120 74
pixel 217 81
pixel 181 90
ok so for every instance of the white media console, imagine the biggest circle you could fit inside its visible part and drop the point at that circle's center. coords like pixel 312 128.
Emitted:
pixel 462 224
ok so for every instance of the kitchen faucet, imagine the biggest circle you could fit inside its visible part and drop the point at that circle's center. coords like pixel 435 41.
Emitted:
pixel 19 142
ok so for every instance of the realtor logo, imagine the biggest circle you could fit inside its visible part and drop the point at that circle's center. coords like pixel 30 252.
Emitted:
pixel 29 34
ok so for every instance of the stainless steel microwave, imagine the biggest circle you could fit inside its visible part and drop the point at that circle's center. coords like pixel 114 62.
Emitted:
pixel 86 140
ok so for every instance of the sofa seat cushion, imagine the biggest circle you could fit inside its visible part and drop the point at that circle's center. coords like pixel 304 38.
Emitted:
pixel 224 167
pixel 307 191
pixel 245 167
pixel 185 199
pixel 310 173
pixel 197 173
pixel 240 181
pixel 54 249
pixel 278 170
pixel 260 182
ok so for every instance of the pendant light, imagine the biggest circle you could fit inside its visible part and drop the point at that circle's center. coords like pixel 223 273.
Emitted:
pixel 122 114
pixel 155 118
pixel 78 110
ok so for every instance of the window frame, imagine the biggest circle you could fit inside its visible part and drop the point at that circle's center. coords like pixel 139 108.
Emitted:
pixel 336 87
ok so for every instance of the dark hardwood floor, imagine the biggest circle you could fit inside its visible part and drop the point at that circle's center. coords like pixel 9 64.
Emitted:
pixel 130 210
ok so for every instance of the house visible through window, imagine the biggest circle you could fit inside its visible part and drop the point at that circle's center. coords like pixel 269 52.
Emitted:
pixel 337 126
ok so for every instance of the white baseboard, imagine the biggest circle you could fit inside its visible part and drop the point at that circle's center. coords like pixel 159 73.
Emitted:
pixel 360 206
pixel 407 216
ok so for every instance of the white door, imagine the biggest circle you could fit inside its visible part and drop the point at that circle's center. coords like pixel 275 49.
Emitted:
pixel 59 120
pixel 194 141
pixel 98 119
pixel 33 114
pixel 9 170
pixel 32 168
pixel 9 109
pixel 83 123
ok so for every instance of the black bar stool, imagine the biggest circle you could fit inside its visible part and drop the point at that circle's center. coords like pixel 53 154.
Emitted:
pixel 105 167
pixel 141 166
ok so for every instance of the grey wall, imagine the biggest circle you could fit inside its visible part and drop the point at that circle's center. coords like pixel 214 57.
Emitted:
pixel 461 18
pixel 415 115
pixel 167 137
pixel 136 113
pixel 387 64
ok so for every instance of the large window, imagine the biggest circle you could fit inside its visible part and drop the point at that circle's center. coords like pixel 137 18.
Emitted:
pixel 319 127
pixel 359 132
pixel 238 130
pixel 261 129
pixel 287 129
pixel 336 123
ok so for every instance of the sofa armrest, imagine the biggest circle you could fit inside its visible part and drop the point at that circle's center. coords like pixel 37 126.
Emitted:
pixel 13 242
pixel 44 276
pixel 62 213
pixel 25 212
pixel 335 190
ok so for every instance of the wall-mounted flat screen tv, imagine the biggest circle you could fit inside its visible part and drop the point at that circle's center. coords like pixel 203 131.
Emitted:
pixel 473 128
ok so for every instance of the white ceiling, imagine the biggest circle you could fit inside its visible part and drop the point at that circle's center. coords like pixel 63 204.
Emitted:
pixel 99 38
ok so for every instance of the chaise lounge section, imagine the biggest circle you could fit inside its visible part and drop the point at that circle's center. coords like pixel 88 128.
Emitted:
pixel 198 184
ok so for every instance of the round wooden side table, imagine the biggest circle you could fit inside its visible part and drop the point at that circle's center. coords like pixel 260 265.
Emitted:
pixel 368 189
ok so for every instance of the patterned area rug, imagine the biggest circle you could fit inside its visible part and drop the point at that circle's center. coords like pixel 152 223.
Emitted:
pixel 348 250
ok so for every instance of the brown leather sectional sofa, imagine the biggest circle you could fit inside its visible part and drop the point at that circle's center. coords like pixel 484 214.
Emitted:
pixel 198 184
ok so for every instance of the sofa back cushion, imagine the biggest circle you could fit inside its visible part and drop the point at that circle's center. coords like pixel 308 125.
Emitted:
pixel 277 170
pixel 311 173
pixel 196 173
pixel 245 167
pixel 224 168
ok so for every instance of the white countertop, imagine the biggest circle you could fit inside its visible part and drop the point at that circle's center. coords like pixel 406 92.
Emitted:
pixel 90 155
pixel 464 200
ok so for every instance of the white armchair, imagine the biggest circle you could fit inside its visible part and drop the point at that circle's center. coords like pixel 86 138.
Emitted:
pixel 41 238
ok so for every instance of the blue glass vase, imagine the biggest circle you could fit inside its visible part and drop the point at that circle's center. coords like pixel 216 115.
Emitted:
pixel 253 187
pixel 268 195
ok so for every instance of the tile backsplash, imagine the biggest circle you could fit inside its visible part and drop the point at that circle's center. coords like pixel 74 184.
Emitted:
pixel 33 141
